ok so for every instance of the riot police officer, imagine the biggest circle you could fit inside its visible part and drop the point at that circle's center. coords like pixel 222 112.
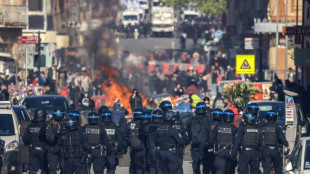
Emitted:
pixel 74 148
pixel 253 108
pixel 111 161
pixel 149 139
pixel 199 131
pixel 247 139
pixel 222 137
pixel 271 137
pixel 167 139
pixel 180 148
pixel 53 132
pixel 137 149
pixel 217 115
pixel 34 136
pixel 165 106
pixel 98 140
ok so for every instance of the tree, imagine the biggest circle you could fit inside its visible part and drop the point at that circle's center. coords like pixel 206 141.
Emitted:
pixel 240 94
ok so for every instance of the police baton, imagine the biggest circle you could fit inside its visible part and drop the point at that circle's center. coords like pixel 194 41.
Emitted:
pixel 223 148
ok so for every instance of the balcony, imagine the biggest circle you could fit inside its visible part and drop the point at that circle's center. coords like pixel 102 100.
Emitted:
pixel 12 16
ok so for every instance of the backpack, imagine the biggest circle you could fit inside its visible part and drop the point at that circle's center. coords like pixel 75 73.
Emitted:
pixel 198 132
pixel 51 131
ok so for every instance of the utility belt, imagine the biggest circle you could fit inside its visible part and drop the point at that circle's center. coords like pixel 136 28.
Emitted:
pixel 271 147
pixel 101 147
pixel 248 148
pixel 222 147
pixel 36 147
pixel 73 152
pixel 173 149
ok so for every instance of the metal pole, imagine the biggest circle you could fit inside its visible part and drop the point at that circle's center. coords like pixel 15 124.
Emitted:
pixel 218 14
pixel 26 60
pixel 297 4
pixel 39 53
pixel 277 38
pixel 286 39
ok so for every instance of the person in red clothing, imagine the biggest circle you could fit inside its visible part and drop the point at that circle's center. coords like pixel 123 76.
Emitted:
pixel 192 88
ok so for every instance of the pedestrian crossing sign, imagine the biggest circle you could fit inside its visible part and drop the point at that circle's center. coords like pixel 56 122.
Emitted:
pixel 245 64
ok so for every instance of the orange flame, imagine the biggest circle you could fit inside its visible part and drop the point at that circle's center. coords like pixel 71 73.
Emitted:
pixel 116 90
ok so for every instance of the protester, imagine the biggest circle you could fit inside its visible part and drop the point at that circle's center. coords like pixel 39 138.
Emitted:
pixel 135 100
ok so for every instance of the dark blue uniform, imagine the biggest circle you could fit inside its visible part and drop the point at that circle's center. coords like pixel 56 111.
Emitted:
pixel 34 136
pixel 199 129
pixel 100 145
pixel 222 137
pixel 149 133
pixel 74 148
pixel 115 136
pixel 270 138
pixel 137 147
pixel 180 147
pixel 247 139
pixel 167 140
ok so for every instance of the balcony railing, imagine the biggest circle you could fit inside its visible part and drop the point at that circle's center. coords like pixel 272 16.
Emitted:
pixel 12 16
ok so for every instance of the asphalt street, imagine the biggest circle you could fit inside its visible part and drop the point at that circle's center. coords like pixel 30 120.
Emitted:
pixel 144 45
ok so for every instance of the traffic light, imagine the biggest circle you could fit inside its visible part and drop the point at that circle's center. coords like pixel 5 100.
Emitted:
pixel 42 61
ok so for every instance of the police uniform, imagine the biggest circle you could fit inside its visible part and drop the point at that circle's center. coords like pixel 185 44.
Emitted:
pixel 167 140
pixel 180 147
pixel 74 149
pixel 137 149
pixel 99 142
pixel 223 137
pixel 199 133
pixel 34 136
pixel 111 161
pixel 149 132
pixel 248 138
pixel 271 137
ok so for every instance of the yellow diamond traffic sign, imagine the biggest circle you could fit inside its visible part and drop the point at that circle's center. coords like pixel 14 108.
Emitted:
pixel 245 64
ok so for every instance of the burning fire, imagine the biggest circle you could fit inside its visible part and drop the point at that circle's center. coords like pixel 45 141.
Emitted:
pixel 118 90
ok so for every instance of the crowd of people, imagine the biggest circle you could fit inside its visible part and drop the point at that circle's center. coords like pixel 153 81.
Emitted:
pixel 156 140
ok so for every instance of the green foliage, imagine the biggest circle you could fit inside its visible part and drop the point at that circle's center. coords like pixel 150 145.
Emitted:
pixel 240 94
pixel 209 7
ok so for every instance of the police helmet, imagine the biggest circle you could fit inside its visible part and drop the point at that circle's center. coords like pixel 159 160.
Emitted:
pixel 102 108
pixel 106 116
pixel 253 108
pixel 271 116
pixel 137 113
pixel 71 124
pixel 74 114
pixel 201 108
pixel 39 115
pixel 217 114
pixel 249 118
pixel 145 117
pixel 165 106
pixel 157 115
pixel 228 116
pixel 206 99
pixel 169 115
pixel 93 118
pixel 58 115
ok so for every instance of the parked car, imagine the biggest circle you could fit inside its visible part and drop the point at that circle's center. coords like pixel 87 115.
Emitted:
pixel 46 102
pixel 10 133
pixel 299 160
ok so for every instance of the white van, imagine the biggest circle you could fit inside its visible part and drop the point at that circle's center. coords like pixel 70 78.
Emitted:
pixel 9 132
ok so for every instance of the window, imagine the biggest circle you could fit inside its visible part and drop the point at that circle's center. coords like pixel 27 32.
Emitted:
pixel 295 157
pixel 50 22
pixel 48 104
pixel 6 125
pixel 22 115
pixel 36 22
pixel 35 5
